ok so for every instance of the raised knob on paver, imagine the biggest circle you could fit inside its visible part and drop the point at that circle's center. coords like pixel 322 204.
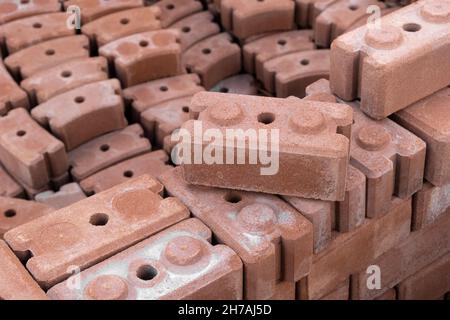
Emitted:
pixel 15 212
pixel 195 28
pixel 393 61
pixel 94 9
pixel 152 93
pixel 23 33
pixel 245 18
pixel 429 119
pixel 93 229
pixel 177 263
pixel 15 282
pixel 174 10
pixel 240 84
pixel 145 56
pixel 11 96
pixel 9 187
pixel 257 52
pixel 10 10
pixel 257 227
pixel 84 113
pixel 290 74
pixel 213 59
pixel 152 163
pixel 66 76
pixel 29 153
pixel 310 158
pixel 121 24
pixel 107 150
pixel 42 56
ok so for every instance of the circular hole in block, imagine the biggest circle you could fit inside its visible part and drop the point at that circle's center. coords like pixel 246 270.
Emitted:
pixel 24 1
pixel 353 7
pixel 99 219
pixel 50 52
pixel 266 117
pixel 146 272
pixel 79 99
pixel 206 51
pixel 125 21
pixel 185 109
pixel 304 62
pixel 104 147
pixel 412 27
pixel 186 29
pixel 170 7
pixel 66 74
pixel 37 25
pixel 232 197
pixel 10 213
pixel 128 174
pixel 282 42
pixel 224 90
pixel 163 88
pixel 143 43
pixel 21 133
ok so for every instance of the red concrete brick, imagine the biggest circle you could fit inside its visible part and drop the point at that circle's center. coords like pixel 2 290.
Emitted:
pixel 94 229
pixel 11 95
pixel 11 10
pixel 161 120
pixel 174 10
pixel 94 9
pixel 153 163
pixel 339 17
pixel 429 119
pixel 240 84
pixel 414 253
pixel 245 18
pixel 123 23
pixel 54 183
pixel 177 263
pixel 84 113
pixel 195 28
pixel 213 59
pixel 156 92
pixel 23 33
pixel 15 282
pixel 284 291
pixel 66 195
pixel 290 74
pixel 144 56
pixel 352 251
pixel 393 61
pixel 342 292
pixel 257 52
pixel 9 187
pixel 342 216
pixel 313 152
pixel 53 81
pixel 15 212
pixel 273 240
pixel 29 152
pixel 390 294
pixel 304 12
pixel 429 283
pixel 42 56
pixel 107 150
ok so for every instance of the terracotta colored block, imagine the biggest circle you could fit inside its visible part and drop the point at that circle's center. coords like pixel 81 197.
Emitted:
pixel 339 17
pixel 94 229
pixel 11 95
pixel 11 10
pixel 84 113
pixel 42 56
pixel 15 282
pixel 121 24
pixel 29 152
pixel 414 253
pixel 94 9
pixel 23 33
pixel 429 119
pixel 195 28
pixel 342 292
pixel 240 84
pixel 304 13
pixel 153 164
pixel 430 283
pixel 245 18
pixel 352 251
pixel 342 216
pixel 15 212
pixel 54 183
pixel 213 59
pixel 257 52
pixel 177 263
pixel 284 291
pixel 390 294
pixel 273 240
pixel 290 74
pixel 67 195
pixel 161 120
pixel 312 155
pixel 107 150
pixel 429 204
pixel 364 19
pixel 156 92
pixel 174 10
pixel 394 60
pixel 144 56
pixel 9 187
pixel 53 81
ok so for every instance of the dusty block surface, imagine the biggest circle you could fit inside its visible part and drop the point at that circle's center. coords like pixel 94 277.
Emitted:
pixel 94 9
pixel 65 196
pixel 10 10
pixel 174 10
